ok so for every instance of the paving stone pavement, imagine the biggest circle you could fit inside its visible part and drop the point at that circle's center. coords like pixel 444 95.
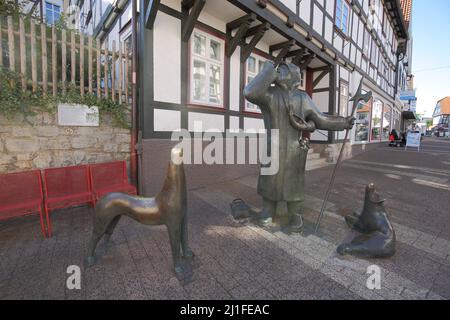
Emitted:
pixel 238 260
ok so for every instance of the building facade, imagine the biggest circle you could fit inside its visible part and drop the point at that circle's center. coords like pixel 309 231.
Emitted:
pixel 441 118
pixel 196 56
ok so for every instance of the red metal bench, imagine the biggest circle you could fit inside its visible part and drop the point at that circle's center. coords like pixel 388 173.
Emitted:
pixel 110 177
pixel 21 194
pixel 65 187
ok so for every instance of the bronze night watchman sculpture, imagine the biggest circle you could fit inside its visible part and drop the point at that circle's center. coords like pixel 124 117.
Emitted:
pixel 291 111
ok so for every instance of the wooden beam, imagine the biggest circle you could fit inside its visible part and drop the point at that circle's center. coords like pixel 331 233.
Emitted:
pixel 239 37
pixel 307 61
pixel 150 12
pixel 282 54
pixel 36 2
pixel 192 19
pixel 187 3
pixel 299 55
pixel 281 45
pixel 248 48
pixel 320 77
pixel 236 23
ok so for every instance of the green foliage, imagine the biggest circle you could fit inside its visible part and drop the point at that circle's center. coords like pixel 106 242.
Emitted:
pixel 10 7
pixel 15 101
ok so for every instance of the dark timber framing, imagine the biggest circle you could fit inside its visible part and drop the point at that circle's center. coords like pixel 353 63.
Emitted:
pixel 243 24
pixel 192 16
pixel 190 11
pixel 247 49
pixel 150 12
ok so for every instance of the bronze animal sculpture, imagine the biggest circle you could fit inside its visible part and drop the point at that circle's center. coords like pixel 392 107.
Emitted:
pixel 168 207
pixel 378 238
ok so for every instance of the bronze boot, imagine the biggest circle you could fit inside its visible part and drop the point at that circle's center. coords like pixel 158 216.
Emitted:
pixel 296 223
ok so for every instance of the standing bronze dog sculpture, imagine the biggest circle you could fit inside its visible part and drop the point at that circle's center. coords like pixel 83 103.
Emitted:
pixel 168 208
pixel 378 238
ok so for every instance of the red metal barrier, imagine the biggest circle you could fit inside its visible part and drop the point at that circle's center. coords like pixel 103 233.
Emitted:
pixel 21 194
pixel 65 187
pixel 110 177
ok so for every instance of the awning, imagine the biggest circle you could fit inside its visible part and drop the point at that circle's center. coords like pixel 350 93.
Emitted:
pixel 408 115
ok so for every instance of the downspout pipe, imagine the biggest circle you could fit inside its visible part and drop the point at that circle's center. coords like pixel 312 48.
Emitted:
pixel 134 112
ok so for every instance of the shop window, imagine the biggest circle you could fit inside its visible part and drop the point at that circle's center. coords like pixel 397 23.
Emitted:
pixel 387 113
pixel 377 113
pixel 396 121
pixel 207 57
pixel 362 123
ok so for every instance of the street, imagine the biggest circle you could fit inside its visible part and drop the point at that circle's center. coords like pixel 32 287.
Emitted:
pixel 238 260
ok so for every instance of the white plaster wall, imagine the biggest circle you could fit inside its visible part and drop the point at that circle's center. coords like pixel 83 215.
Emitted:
pixel 166 120
pixel 167 57
pixel 324 83
pixel 212 21
pixel 234 123
pixel 330 7
pixel 305 10
pixel 291 4
pixel 253 124
pixel 208 122
pixel 318 19
pixel 321 100
pixel 174 4
pixel 329 30
pixel 235 65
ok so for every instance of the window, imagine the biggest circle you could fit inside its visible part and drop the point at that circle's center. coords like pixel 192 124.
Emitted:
pixel 366 44
pixel 376 120
pixel 342 15
pixel 255 64
pixel 52 13
pixel 207 56
pixel 386 122
pixel 343 99
pixel 362 123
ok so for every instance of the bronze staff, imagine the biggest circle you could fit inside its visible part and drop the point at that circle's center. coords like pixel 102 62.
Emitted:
pixel 356 99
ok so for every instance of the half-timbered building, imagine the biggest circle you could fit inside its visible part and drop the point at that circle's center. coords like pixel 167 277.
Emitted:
pixel 196 56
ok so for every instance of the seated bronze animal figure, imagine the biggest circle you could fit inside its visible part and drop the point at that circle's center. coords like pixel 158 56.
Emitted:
pixel 378 238
pixel 168 208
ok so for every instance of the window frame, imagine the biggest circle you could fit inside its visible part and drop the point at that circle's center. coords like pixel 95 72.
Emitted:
pixel 340 26
pixel 208 62
pixel 259 58
pixel 53 11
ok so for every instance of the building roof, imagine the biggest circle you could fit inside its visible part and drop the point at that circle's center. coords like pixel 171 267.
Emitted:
pixel 395 10
pixel 442 107
pixel 407 10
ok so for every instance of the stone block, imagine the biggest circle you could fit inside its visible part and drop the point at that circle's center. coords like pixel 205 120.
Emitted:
pixel 22 145
pixel 79 156
pixel 47 131
pixel 83 142
pixel 124 147
pixel 23 131
pixel 110 147
pixel 43 160
pixel 122 138
pixel 25 156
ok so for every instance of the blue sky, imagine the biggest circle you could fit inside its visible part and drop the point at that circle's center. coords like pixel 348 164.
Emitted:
pixel 431 34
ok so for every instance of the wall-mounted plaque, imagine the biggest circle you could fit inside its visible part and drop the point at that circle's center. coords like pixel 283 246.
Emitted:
pixel 77 115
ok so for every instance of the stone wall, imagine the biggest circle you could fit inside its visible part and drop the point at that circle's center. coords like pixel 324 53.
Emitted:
pixel 40 143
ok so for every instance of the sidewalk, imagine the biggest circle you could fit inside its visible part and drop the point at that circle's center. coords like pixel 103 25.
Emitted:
pixel 241 261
